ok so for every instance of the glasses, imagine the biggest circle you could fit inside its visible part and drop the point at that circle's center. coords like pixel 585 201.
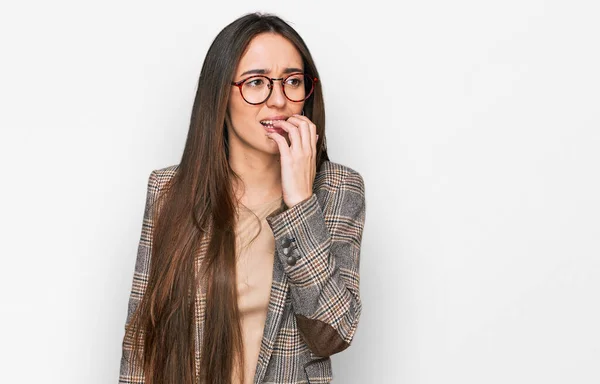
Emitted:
pixel 257 89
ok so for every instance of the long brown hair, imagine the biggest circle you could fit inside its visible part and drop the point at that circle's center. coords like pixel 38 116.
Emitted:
pixel 200 201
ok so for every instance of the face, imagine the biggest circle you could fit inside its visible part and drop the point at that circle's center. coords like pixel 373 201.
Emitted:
pixel 275 55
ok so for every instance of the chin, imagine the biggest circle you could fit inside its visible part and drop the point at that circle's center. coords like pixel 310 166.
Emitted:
pixel 271 149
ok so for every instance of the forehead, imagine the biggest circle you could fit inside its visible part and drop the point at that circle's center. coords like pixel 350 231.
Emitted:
pixel 269 51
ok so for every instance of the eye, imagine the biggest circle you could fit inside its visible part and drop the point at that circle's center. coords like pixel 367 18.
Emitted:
pixel 252 83
pixel 294 82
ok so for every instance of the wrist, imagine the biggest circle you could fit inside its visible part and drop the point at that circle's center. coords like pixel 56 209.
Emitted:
pixel 300 200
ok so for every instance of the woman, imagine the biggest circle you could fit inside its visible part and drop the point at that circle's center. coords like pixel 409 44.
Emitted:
pixel 247 266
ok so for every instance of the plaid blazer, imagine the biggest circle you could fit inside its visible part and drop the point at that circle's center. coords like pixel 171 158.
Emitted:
pixel 314 305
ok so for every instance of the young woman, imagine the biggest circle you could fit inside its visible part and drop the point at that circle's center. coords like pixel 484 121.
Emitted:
pixel 248 263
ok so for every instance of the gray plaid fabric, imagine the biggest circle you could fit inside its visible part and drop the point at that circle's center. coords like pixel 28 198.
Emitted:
pixel 315 304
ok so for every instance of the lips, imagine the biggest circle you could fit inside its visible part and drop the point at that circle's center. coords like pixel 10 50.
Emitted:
pixel 269 123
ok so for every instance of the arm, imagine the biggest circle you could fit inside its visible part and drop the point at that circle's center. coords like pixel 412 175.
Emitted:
pixel 130 372
pixel 324 278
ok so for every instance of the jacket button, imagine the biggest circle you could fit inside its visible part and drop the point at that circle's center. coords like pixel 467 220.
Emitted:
pixel 291 260
pixel 296 253
pixel 287 242
pixel 286 251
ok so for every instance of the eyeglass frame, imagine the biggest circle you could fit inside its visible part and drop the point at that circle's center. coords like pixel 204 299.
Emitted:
pixel 240 83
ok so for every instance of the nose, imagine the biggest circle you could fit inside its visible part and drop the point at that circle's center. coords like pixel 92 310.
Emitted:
pixel 277 98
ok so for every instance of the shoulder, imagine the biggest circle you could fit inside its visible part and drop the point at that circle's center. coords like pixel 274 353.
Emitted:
pixel 160 177
pixel 333 176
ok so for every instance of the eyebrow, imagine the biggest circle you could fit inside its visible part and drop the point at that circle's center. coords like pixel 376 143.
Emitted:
pixel 264 71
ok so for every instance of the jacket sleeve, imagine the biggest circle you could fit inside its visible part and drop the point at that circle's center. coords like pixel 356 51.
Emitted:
pixel 319 248
pixel 130 372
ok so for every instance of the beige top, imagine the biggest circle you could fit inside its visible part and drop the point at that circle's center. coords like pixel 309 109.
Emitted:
pixel 254 270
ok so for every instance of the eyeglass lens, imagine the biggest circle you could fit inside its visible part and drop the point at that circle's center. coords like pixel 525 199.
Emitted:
pixel 296 87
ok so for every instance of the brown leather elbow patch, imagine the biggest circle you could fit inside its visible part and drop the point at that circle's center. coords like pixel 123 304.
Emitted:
pixel 322 339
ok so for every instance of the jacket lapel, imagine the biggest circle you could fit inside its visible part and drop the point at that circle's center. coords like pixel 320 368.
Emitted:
pixel 200 300
pixel 279 291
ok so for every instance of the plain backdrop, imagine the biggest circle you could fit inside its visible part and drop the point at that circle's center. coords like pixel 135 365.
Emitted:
pixel 474 124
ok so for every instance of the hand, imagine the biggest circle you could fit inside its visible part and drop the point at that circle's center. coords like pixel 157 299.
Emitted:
pixel 298 160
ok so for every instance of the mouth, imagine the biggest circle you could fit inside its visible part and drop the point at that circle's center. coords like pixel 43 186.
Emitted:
pixel 269 123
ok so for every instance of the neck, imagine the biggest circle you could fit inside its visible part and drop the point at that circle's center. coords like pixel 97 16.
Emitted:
pixel 260 173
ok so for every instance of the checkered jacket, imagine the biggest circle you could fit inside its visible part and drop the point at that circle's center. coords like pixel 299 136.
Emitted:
pixel 314 305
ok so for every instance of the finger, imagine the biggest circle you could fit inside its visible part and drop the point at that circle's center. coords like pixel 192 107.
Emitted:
pixel 313 127
pixel 292 131
pixel 313 131
pixel 284 150
pixel 305 134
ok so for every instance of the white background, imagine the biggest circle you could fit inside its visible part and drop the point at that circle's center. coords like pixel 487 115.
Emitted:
pixel 474 124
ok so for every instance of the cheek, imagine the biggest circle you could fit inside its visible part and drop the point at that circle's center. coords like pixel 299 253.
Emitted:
pixel 235 107
pixel 244 118
pixel 239 110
